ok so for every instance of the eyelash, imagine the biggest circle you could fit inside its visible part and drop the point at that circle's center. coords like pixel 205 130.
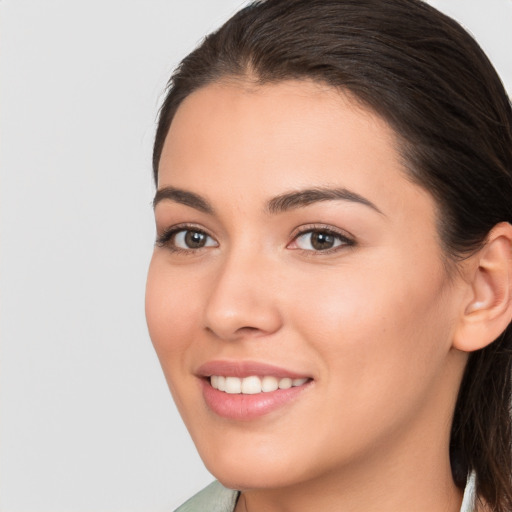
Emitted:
pixel 346 241
pixel 164 240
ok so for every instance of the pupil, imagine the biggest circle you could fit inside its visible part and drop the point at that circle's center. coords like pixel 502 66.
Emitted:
pixel 322 241
pixel 195 239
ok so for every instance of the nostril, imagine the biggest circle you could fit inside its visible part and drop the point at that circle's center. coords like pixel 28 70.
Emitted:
pixel 238 333
pixel 247 330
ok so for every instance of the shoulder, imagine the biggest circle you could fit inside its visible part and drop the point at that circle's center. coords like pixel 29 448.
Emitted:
pixel 214 498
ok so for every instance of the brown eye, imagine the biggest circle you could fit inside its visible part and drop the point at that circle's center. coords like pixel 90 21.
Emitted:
pixel 192 239
pixel 320 240
pixel 195 239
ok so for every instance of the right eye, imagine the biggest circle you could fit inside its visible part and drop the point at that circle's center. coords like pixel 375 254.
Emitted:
pixel 192 239
pixel 186 239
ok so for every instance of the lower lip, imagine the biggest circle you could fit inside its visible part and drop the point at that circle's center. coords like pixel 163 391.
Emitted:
pixel 248 407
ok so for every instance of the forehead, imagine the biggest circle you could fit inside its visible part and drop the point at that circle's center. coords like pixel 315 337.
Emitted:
pixel 260 140
pixel 288 118
pixel 293 107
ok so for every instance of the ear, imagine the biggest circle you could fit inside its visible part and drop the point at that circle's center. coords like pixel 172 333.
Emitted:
pixel 487 308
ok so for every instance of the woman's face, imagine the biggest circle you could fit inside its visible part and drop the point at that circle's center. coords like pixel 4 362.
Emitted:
pixel 293 250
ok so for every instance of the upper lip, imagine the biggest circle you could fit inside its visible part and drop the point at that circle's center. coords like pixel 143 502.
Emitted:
pixel 243 369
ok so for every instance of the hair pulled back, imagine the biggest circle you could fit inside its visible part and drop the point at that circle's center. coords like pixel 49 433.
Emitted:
pixel 429 79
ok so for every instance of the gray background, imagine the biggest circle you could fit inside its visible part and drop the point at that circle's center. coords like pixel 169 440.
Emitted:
pixel 86 421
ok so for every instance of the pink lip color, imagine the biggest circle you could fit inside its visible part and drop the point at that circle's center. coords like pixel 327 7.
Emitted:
pixel 247 407
pixel 243 369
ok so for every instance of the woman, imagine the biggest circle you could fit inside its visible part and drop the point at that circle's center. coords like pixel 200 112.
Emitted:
pixel 330 291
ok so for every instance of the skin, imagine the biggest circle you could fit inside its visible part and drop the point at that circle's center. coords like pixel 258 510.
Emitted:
pixel 372 322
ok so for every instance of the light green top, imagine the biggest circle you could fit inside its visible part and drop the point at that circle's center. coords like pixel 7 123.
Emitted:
pixel 216 498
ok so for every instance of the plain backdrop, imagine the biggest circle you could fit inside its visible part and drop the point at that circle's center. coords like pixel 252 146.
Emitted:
pixel 86 420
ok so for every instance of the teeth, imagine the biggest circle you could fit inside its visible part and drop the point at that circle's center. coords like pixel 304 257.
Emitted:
pixel 233 385
pixel 253 385
pixel 285 383
pixel 269 384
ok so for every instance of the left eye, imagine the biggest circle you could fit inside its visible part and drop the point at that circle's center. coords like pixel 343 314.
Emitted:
pixel 192 239
pixel 320 240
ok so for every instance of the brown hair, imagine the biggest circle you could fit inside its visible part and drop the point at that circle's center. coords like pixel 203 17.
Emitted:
pixel 432 83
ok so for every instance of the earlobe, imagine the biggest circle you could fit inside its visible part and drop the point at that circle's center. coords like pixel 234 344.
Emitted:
pixel 488 310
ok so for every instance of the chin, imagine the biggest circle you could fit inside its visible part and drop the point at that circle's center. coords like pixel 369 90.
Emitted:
pixel 254 469
pixel 244 479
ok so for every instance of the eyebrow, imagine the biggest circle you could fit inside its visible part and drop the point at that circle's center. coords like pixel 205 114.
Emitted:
pixel 183 197
pixel 293 200
pixel 278 204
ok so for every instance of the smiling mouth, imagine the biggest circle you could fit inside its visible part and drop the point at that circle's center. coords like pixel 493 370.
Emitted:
pixel 249 390
pixel 253 384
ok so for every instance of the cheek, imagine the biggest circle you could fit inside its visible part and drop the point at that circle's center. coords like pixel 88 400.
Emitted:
pixel 379 328
pixel 381 341
pixel 173 310
pixel 170 304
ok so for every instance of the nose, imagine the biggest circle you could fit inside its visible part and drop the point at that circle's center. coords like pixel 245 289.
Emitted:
pixel 244 299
